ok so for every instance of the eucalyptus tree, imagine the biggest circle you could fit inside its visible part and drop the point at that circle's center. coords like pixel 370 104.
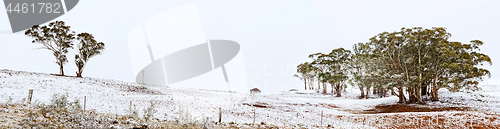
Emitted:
pixel 416 57
pixel 448 64
pixel 358 68
pixel 406 54
pixel 311 75
pixel 412 61
pixel 55 37
pixel 319 69
pixel 388 49
pixel 337 71
pixel 458 67
pixel 304 73
pixel 87 47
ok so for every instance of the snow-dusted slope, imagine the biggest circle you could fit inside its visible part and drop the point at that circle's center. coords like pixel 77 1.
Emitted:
pixel 283 109
pixel 109 96
pixel 102 95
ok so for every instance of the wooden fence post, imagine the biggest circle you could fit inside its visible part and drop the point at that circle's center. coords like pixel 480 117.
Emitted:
pixel 220 114
pixel 321 118
pixel 30 95
pixel 254 116
pixel 84 102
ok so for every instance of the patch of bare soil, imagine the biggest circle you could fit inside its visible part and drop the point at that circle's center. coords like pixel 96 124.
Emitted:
pixel 258 104
pixel 453 120
pixel 402 116
pixel 410 108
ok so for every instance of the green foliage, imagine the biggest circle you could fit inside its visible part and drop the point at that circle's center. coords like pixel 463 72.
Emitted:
pixel 150 110
pixel 55 37
pixel 60 111
pixel 335 68
pixel 9 100
pixel 87 47
pixel 133 111
pixel 60 103
pixel 184 117
pixel 412 59
pixel 416 58
pixel 362 69
pixel 305 73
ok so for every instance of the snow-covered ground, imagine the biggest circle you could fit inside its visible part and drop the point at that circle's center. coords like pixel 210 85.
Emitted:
pixel 284 108
pixel 491 90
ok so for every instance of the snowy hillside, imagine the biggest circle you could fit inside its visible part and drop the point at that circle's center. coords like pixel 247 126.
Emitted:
pixel 286 109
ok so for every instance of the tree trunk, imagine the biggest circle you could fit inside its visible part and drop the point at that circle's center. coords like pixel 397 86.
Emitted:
pixel 418 89
pixel 333 87
pixel 367 93
pixel 311 87
pixel 411 95
pixel 311 82
pixel 427 93
pixel 419 94
pixel 385 92
pixel 305 85
pixel 324 88
pixel 401 95
pixel 434 94
pixel 61 69
pixel 423 90
pixel 362 89
pixel 79 73
pixel 319 87
pixel 338 90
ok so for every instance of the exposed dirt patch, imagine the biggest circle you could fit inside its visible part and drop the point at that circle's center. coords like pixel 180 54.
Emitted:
pixel 265 105
pixel 441 120
pixel 258 104
pixel 315 105
pixel 410 108
pixel 329 105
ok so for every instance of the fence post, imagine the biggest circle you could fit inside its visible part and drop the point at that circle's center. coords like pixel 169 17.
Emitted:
pixel 220 114
pixel 321 124
pixel 84 102
pixel 254 116
pixel 30 95
pixel 297 117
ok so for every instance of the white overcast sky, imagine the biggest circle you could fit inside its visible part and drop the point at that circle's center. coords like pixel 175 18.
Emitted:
pixel 275 35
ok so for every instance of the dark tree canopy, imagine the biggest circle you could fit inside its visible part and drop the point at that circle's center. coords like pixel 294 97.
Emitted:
pixel 87 47
pixel 55 37
pixel 411 62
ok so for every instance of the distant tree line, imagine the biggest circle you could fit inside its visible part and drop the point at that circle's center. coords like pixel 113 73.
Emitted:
pixel 57 38
pixel 409 63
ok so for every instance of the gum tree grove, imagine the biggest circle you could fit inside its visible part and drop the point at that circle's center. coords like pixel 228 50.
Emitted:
pixel 412 64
